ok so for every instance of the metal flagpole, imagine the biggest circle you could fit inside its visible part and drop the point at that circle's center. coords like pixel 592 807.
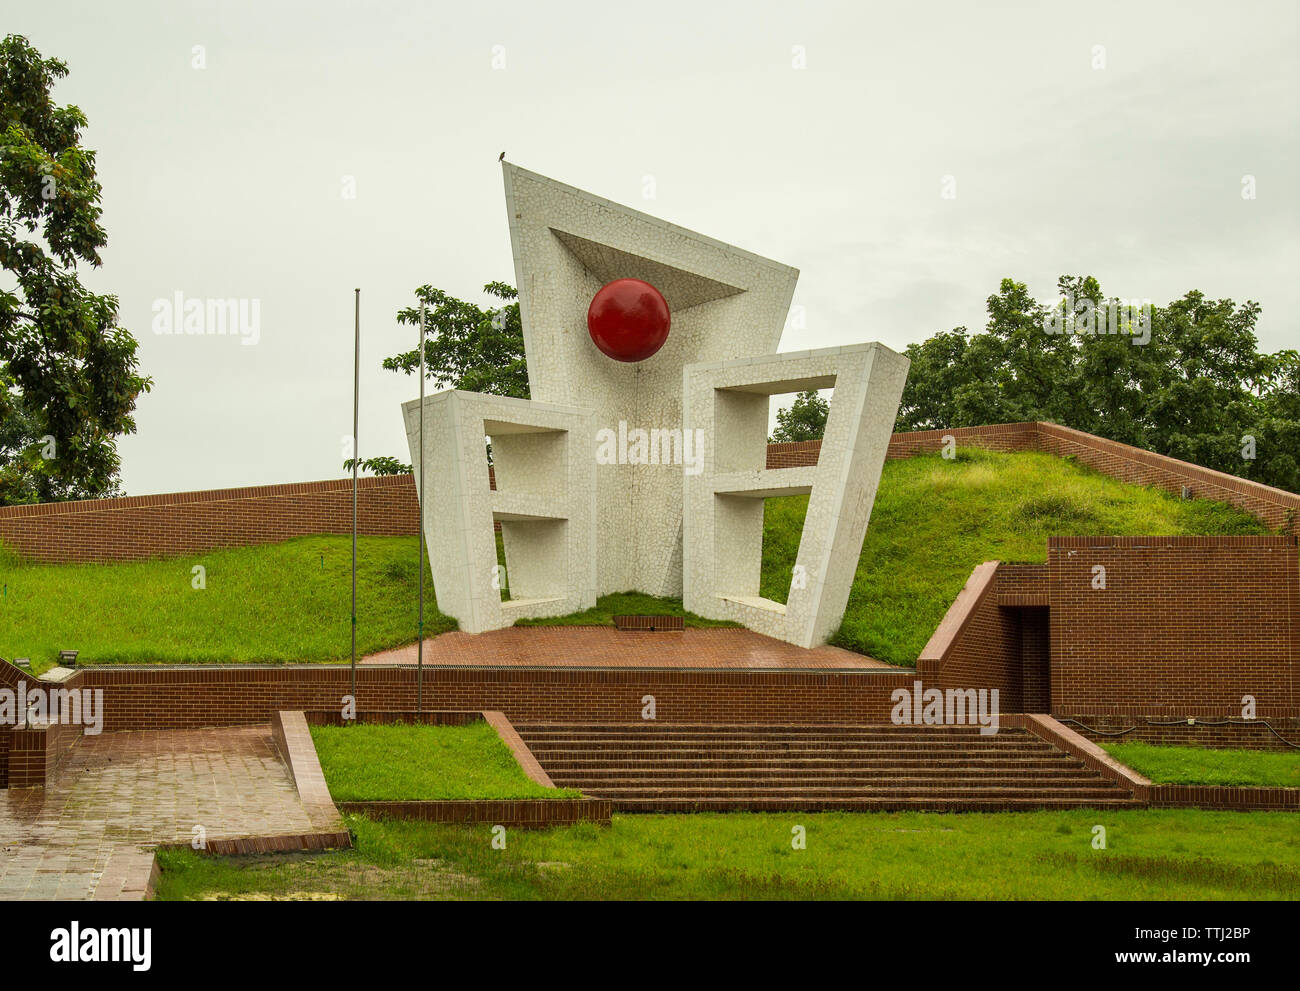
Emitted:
pixel 356 458
pixel 419 656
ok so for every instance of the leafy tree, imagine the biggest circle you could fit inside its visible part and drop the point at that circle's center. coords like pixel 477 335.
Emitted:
pixel 1198 389
pixel 382 465
pixel 805 419
pixel 68 381
pixel 466 346
pixel 470 347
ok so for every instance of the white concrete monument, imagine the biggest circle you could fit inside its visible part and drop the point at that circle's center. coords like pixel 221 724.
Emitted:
pixel 651 360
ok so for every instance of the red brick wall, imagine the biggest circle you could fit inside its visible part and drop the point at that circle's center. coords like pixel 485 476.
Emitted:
pixel 1269 732
pixel 1184 623
pixel 977 645
pixel 1276 508
pixel 179 523
pixel 150 698
pixel 1035 659
pixel 994 437
pixel 1022 584
pixel 795 455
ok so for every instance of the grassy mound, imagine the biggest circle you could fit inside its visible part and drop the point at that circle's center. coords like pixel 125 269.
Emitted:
pixel 274 603
pixel 935 519
pixel 379 763
pixel 626 604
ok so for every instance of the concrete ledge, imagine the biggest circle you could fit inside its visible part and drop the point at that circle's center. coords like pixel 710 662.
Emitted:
pixel 981 583
pixel 293 740
pixel 1064 738
pixel 339 839
pixel 523 756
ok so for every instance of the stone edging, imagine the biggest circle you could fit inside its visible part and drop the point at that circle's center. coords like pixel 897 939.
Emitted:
pixel 1240 798
pixel 293 740
pixel 1064 738
pixel 521 813
pixel 523 756
pixel 1236 798
pixel 981 583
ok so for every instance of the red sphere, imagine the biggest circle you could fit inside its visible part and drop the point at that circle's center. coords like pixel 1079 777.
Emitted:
pixel 628 320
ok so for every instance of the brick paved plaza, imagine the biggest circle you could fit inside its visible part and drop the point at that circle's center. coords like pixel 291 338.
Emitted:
pixel 89 834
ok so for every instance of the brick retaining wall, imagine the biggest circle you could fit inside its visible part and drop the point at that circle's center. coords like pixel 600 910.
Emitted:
pixel 1270 731
pixel 140 527
pixel 180 697
pixel 977 644
pixel 1190 622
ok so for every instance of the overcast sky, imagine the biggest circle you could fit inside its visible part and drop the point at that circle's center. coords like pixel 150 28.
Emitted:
pixel 229 180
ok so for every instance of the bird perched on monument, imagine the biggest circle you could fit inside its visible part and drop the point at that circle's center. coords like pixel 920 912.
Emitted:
pixel 501 157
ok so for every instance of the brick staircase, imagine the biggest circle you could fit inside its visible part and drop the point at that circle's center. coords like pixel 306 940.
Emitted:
pixel 649 767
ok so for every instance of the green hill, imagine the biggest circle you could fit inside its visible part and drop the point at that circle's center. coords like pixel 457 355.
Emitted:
pixel 935 519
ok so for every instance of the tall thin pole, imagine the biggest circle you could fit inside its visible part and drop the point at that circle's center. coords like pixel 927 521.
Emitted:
pixel 356 458
pixel 419 656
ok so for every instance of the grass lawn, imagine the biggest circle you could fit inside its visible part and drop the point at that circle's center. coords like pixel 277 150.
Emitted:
pixel 276 603
pixel 935 519
pixel 376 763
pixel 626 604
pixel 1195 766
pixel 1151 854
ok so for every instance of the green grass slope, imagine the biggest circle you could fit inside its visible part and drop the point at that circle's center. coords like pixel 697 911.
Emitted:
pixel 378 763
pixel 935 519
pixel 1197 766
pixel 275 603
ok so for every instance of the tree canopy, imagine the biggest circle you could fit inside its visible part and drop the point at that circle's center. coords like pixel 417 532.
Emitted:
pixel 68 379
pixel 1198 389
pixel 466 346
pixel 804 419
pixel 1186 379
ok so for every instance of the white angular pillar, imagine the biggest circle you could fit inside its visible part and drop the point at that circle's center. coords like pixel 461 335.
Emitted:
pixel 723 505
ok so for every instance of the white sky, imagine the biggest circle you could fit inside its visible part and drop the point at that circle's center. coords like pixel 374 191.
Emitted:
pixel 227 181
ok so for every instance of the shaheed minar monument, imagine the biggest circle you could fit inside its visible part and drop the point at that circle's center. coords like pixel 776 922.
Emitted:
pixel 639 464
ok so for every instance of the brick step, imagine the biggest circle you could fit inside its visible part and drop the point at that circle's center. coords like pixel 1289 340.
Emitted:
pixel 806 732
pixel 684 767
pixel 909 804
pixel 610 772
pixel 751 728
pixel 601 787
pixel 544 754
pixel 948 791
pixel 917 764
pixel 772 739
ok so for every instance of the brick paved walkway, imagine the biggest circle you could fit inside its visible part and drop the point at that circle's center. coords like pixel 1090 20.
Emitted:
pixel 117 794
pixel 606 647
